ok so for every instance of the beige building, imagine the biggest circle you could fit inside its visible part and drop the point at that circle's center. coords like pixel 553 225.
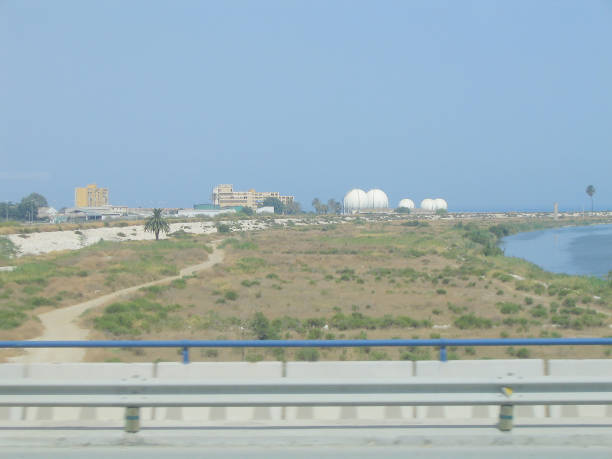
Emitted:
pixel 225 196
pixel 90 196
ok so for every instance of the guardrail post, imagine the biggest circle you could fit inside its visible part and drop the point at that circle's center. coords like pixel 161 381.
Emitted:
pixel 443 354
pixel 506 417
pixel 185 355
pixel 132 419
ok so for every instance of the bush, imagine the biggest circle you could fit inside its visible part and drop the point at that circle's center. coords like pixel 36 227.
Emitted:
pixel 262 328
pixel 247 283
pixel 471 321
pixel 136 317
pixel 11 318
pixel 509 308
pixel 223 228
pixel 523 353
pixel 230 295
pixel 539 311
pixel 308 354
pixel 416 353
pixel 253 357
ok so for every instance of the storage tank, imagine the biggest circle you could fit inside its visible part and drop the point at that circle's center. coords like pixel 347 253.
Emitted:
pixel 440 204
pixel 377 199
pixel 407 203
pixel 428 204
pixel 354 200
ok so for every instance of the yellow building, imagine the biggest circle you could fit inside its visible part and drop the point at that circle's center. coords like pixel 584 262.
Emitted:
pixel 90 196
pixel 225 196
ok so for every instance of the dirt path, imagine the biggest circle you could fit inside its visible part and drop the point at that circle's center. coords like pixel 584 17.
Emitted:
pixel 61 324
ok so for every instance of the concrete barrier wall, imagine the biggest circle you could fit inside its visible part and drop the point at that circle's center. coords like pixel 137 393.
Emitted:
pixel 590 367
pixel 478 369
pixel 350 371
pixel 206 371
pixel 401 370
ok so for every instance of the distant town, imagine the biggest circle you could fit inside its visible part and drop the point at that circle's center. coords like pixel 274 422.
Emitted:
pixel 92 203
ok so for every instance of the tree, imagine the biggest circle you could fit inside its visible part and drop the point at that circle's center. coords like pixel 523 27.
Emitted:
pixel 591 191
pixel 156 223
pixel 28 207
pixel 316 203
pixel 293 207
pixel 279 207
pixel 334 206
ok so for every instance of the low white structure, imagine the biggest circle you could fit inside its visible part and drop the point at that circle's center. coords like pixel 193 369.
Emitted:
pixel 192 213
pixel 267 210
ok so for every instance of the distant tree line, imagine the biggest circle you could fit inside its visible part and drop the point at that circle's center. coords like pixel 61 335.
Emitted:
pixel 25 210
pixel 279 208
pixel 332 206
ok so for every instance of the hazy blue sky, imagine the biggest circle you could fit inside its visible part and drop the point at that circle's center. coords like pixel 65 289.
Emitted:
pixel 491 105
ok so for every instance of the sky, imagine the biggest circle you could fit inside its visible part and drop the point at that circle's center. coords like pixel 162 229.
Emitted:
pixel 492 105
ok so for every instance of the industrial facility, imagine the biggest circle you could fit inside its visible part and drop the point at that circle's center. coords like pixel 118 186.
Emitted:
pixel 376 201
pixel 358 200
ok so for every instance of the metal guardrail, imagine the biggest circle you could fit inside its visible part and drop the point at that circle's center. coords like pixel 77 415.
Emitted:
pixel 185 345
pixel 134 394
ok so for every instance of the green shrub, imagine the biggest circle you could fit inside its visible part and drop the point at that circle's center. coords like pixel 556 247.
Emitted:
pixel 253 357
pixel 569 302
pixel 223 228
pixel 250 264
pixel 247 283
pixel 179 283
pixel 509 308
pixel 230 295
pixel 416 353
pixel 11 319
pixel 262 328
pixel 539 311
pixel 135 317
pixel 471 321
pixel 307 354
pixel 523 353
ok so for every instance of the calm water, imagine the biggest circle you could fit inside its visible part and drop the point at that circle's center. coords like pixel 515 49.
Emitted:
pixel 583 250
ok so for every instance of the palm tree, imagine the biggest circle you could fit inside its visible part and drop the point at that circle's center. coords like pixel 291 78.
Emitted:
pixel 591 191
pixel 156 223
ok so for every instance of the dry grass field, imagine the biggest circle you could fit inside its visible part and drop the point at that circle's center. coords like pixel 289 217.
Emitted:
pixel 61 279
pixel 401 279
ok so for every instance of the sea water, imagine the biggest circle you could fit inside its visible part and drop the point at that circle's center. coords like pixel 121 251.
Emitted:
pixel 581 250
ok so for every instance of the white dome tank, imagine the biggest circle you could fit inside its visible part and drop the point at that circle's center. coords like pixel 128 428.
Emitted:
pixel 407 203
pixel 377 199
pixel 428 204
pixel 440 204
pixel 354 200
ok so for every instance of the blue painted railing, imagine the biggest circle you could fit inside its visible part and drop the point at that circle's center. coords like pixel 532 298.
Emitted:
pixel 442 344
